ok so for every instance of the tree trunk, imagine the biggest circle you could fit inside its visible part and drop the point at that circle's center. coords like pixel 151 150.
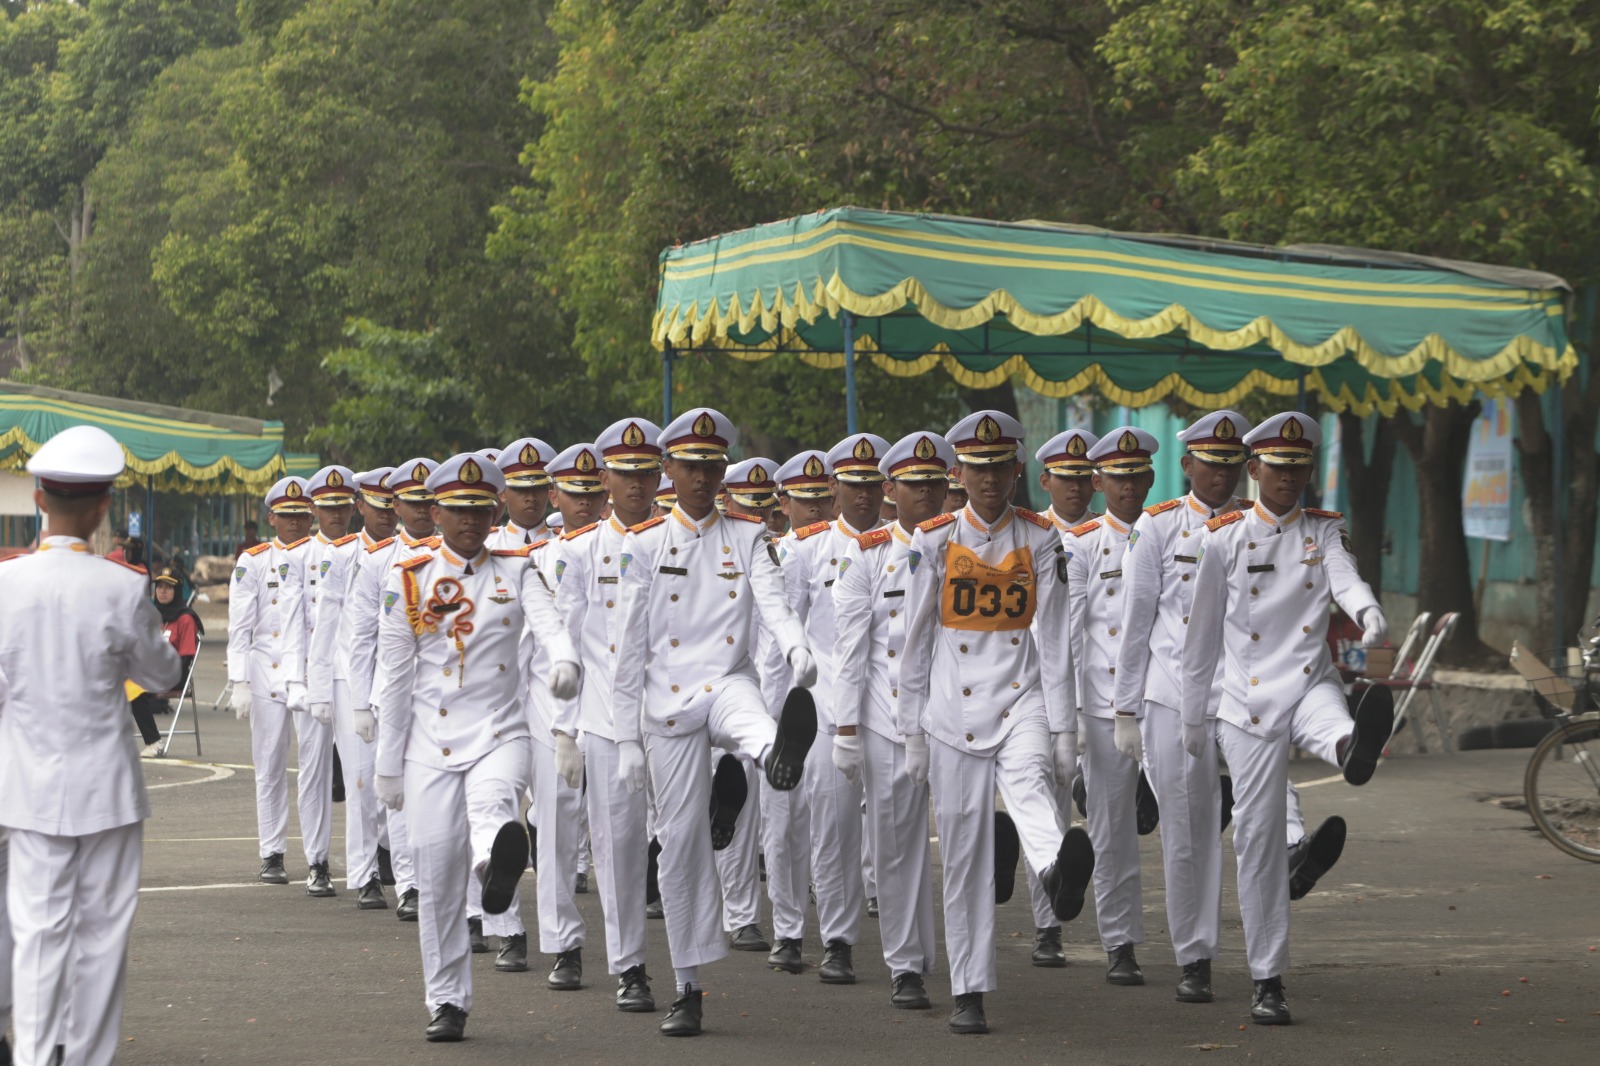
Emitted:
pixel 80 226
pixel 1444 571
pixel 1369 492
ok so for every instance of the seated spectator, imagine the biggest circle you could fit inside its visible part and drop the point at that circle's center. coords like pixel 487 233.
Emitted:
pixel 183 630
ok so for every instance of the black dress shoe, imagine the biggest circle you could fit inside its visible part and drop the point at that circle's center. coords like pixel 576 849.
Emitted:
pixel 5 1051
pixel 1196 984
pixel 533 846
pixel 406 911
pixel 797 731
pixel 729 790
pixel 449 1024
pixel 968 1017
pixel 1124 967
pixel 655 910
pixel 1315 856
pixel 1007 850
pixel 508 858
pixel 1227 802
pixel 909 993
pixel 786 957
pixel 749 938
pixel 1147 812
pixel 385 866
pixel 872 906
pixel 338 778
pixel 319 882
pixel 1080 796
pixel 837 965
pixel 633 991
pixel 581 884
pixel 369 897
pixel 1267 1006
pixel 513 955
pixel 272 871
pixel 567 973
pixel 684 1017
pixel 480 946
pixel 1374 721
pixel 1066 879
pixel 652 875
pixel 1047 948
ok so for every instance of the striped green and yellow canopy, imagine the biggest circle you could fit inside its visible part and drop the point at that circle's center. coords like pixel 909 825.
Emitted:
pixel 1136 318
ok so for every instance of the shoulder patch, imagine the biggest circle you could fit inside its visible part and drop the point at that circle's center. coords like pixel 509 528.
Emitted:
pixel 1221 520
pixel 1085 529
pixel 259 548
pixel 648 523
pixel 380 545
pixel 1035 517
pixel 812 530
pixel 936 521
pixel 515 553
pixel 1320 513
pixel 745 518
pixel 873 538
pixel 342 541
pixel 296 544
pixel 1160 508
pixel 414 562
pixel 576 533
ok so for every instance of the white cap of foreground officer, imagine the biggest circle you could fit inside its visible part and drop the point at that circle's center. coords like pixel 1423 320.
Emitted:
pixel 80 461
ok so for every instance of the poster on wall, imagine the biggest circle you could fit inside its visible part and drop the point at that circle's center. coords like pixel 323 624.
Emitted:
pixel 1486 492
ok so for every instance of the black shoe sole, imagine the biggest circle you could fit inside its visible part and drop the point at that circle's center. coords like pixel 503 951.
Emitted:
pixel 1322 851
pixel 797 731
pixel 1147 812
pixel 1007 850
pixel 518 967
pixel 920 1003
pixel 372 904
pixel 1080 796
pixel 508 858
pixel 652 873
pixel 1075 865
pixel 1058 962
pixel 1374 721
pixel 1275 1019
pixel 1195 997
pixel 729 791
pixel 798 966
pixel 1227 802
pixel 1125 980
pixel 970 1029
pixel 638 1006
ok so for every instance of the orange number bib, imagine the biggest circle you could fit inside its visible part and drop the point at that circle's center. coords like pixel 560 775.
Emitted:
pixel 984 598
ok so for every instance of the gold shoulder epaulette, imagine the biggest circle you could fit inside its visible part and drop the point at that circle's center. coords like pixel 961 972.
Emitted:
pixel 1085 528
pixel 414 562
pixel 1221 520
pixel 1159 508
pixel 936 521
pixel 745 518
pixel 346 539
pixel 296 544
pixel 257 549
pixel 1036 518
pixel 517 553
pixel 648 523
pixel 1320 513
pixel 380 545
pixel 576 533
pixel 434 541
pixel 536 545
pixel 810 531
pixel 875 537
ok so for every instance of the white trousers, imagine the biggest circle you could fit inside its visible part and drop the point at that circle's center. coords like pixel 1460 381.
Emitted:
pixel 835 844
pixel 1317 726
pixel 5 938
pixel 786 843
pixel 1111 784
pixel 362 822
pixel 1044 915
pixel 1189 791
pixel 1260 770
pixel 398 841
pixel 558 812
pixel 446 844
pixel 621 848
pixel 687 872
pixel 739 864
pixel 963 787
pixel 71 902
pixel 269 746
pixel 897 832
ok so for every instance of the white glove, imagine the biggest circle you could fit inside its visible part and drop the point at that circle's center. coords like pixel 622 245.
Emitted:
pixel 322 712
pixel 366 724
pixel 1195 739
pixel 1065 758
pixel 630 764
pixel 569 760
pixel 294 696
pixel 564 682
pixel 1125 735
pixel 1374 627
pixel 847 756
pixel 391 791
pixel 240 701
pixel 804 666
pixel 917 759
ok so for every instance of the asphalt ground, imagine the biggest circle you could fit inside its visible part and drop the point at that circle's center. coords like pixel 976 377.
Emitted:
pixel 1449 932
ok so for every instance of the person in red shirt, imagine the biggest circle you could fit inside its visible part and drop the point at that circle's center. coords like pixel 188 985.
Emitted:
pixel 183 629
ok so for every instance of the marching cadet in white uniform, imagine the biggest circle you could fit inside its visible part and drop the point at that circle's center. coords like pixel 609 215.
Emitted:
pixel 666 497
pixel 266 667
pixel 525 464
pixel 5 921
pixel 453 734
pixel 684 681
pixel 810 566
pixel 1261 606
pixel 870 615
pixel 1111 751
pixel 995 697
pixel 1067 477
pixel 807 495
pixel 586 598
pixel 358 631
pixel 72 794
pixel 328 684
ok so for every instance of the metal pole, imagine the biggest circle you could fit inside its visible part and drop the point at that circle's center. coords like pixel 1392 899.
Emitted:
pixel 1300 390
pixel 1558 488
pixel 667 356
pixel 848 322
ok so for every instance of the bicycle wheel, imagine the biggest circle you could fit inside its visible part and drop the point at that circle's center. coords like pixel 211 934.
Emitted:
pixel 1562 787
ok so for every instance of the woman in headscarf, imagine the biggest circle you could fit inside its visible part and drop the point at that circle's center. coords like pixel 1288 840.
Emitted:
pixel 183 629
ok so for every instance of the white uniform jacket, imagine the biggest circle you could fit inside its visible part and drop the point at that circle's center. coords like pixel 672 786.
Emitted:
pixel 1094 584
pixel 869 609
pixel 266 618
pixel 1158 571
pixel 511 535
pixel 688 590
pixel 1261 601
pixel 586 597
pixel 1062 526
pixel 358 627
pixel 544 716
pixel 452 677
pixel 74 628
pixel 960 682
pixel 335 571
pixel 810 563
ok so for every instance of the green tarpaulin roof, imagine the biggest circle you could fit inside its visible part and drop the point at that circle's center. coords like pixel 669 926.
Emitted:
pixel 177 450
pixel 1136 318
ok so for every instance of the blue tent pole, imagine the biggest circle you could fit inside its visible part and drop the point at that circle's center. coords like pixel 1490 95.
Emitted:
pixel 848 322
pixel 666 383
pixel 1558 477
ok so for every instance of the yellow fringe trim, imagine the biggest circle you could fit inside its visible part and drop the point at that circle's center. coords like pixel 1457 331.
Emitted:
pixel 170 472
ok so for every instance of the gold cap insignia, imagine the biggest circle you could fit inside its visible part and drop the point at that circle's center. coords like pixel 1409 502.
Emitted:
pixel 633 436
pixel 293 491
pixel 1128 442
pixel 1224 430
pixel 758 474
pixel 470 473
pixel 925 449
pixel 335 479
pixel 419 472
pixel 813 467
pixel 1076 447
pixel 704 426
pixel 1292 430
pixel 988 430
pixel 383 481
pixel 585 462
pixel 528 456
pixel 863 449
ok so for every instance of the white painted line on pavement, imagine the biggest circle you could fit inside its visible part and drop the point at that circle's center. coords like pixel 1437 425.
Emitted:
pixel 1320 781
pixel 203 840
pixel 218 773
pixel 202 888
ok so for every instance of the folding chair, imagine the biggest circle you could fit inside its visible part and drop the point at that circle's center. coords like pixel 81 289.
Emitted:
pixel 179 696
pixel 1415 637
pixel 1420 679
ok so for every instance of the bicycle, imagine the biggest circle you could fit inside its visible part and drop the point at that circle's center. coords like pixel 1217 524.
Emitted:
pixel 1562 782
